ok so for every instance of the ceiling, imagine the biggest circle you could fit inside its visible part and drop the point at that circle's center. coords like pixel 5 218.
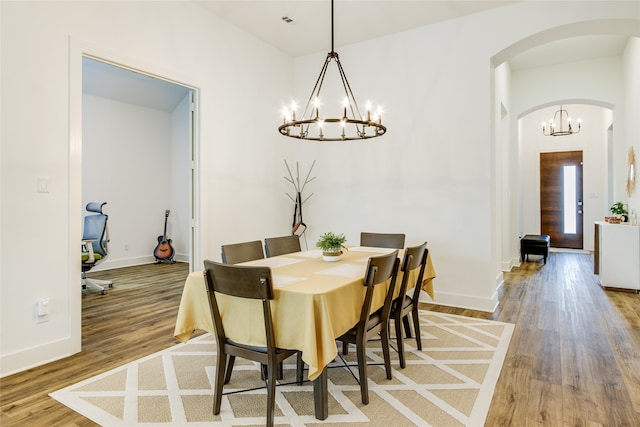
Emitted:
pixel 359 20
pixel 310 32
pixel 112 82
pixel 354 20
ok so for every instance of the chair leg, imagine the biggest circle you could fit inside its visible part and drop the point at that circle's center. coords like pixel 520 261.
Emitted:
pixel 407 326
pixel 279 371
pixel 416 327
pixel 361 350
pixel 271 392
pixel 99 285
pixel 384 335
pixel 400 342
pixel 219 381
pixel 229 369
pixel 299 368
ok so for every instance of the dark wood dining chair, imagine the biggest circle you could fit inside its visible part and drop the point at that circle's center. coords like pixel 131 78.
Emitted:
pixel 274 246
pixel 242 252
pixel 380 269
pixel 252 283
pixel 382 240
pixel 404 304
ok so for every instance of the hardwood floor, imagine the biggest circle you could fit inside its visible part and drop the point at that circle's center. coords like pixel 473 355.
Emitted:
pixel 574 358
pixel 136 318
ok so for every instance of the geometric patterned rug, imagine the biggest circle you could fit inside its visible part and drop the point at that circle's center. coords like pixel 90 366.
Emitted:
pixel 449 383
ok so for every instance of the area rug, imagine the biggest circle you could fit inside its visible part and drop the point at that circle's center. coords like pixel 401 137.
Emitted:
pixel 449 383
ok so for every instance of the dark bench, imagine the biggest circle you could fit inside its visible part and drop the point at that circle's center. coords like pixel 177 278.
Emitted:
pixel 535 244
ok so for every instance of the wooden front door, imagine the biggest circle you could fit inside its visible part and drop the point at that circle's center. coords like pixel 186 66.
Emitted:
pixel 561 202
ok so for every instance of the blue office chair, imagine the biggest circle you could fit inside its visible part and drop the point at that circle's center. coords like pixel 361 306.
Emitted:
pixel 95 245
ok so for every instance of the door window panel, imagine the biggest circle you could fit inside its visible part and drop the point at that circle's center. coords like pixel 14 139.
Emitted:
pixel 569 190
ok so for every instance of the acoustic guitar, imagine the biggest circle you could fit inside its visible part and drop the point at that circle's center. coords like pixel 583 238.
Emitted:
pixel 164 250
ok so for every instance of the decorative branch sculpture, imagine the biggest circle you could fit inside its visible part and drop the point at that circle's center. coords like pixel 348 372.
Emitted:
pixel 298 227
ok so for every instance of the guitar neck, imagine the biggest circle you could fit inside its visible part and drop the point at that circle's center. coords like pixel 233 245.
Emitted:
pixel 166 217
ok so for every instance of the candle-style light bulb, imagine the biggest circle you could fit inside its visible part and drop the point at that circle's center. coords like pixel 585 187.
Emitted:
pixel 368 107
pixel 345 104
pixel 293 109
pixel 317 104
pixel 379 114
pixel 286 115
pixel 320 124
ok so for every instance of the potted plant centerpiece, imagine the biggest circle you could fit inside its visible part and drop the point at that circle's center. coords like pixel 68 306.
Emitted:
pixel 331 245
pixel 619 210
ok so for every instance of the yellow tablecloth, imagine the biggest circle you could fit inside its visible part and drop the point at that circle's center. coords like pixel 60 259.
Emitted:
pixel 315 302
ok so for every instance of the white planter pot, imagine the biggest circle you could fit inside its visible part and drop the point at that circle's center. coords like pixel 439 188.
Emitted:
pixel 331 256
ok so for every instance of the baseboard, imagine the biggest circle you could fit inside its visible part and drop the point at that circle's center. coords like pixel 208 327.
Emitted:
pixel 463 301
pixel 110 264
pixel 30 358
pixel 509 265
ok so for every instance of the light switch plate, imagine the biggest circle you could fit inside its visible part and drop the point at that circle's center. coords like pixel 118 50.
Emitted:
pixel 43 184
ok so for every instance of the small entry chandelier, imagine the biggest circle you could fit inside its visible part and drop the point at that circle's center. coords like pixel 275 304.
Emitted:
pixel 560 125
pixel 313 125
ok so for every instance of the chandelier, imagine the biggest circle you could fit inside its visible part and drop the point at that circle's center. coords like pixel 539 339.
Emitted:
pixel 560 125
pixel 347 126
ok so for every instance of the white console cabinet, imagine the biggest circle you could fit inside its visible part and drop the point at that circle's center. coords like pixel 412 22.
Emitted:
pixel 617 254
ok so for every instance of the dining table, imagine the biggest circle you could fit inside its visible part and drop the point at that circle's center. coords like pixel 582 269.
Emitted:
pixel 314 303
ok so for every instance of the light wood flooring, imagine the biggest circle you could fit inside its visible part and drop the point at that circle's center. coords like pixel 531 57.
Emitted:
pixel 574 358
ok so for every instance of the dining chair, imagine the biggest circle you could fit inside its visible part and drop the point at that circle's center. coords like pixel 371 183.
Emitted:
pixel 274 246
pixel 242 252
pixel 380 270
pixel 252 283
pixel 382 240
pixel 415 258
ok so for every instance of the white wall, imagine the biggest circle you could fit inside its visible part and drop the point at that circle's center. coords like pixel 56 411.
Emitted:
pixel 42 47
pixel 127 158
pixel 506 156
pixel 178 228
pixel 630 73
pixel 431 176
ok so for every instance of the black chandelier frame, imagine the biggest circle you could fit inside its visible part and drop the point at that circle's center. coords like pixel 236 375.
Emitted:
pixel 365 128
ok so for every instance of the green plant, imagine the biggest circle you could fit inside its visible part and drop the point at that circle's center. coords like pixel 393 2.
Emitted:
pixel 618 209
pixel 331 242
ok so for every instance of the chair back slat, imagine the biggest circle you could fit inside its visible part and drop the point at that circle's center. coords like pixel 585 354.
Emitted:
pixel 240 281
pixel 414 257
pixel 382 240
pixel 274 246
pixel 243 282
pixel 236 253
pixel 380 269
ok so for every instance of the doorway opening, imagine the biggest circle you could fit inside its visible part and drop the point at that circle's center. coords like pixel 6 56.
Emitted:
pixel 589 204
pixel 138 155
